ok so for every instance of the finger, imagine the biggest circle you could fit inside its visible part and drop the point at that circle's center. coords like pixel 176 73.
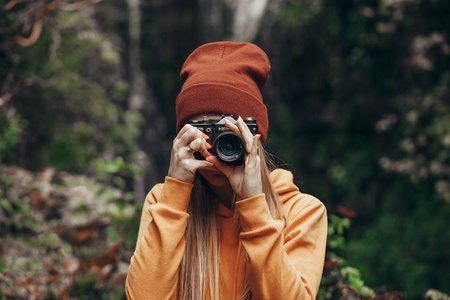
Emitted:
pixel 246 134
pixel 183 130
pixel 236 128
pixel 204 165
pixel 240 128
pixel 187 137
pixel 255 143
pixel 252 157
pixel 192 164
pixel 232 127
pixel 196 144
pixel 200 145
pixel 223 167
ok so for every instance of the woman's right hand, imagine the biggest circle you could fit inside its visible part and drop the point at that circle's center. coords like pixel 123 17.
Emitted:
pixel 183 164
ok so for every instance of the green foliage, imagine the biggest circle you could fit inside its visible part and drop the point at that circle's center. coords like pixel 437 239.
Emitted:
pixel 336 229
pixel 354 279
pixel 358 104
pixel 339 279
pixel 423 128
pixel 423 235
pixel 73 113
pixel 118 168
pixel 10 134
pixel 63 235
pixel 366 84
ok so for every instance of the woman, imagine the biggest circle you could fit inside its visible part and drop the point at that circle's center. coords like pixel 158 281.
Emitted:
pixel 218 231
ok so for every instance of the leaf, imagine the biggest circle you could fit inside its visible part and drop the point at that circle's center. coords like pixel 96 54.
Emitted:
pixel 6 206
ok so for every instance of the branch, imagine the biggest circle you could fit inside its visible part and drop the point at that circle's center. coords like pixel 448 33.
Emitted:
pixel 34 36
pixel 12 3
pixel 37 27
pixel 39 16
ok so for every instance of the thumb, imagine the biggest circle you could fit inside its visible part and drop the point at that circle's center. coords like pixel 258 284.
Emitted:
pixel 223 167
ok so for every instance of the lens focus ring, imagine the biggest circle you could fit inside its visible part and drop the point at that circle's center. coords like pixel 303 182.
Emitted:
pixel 229 147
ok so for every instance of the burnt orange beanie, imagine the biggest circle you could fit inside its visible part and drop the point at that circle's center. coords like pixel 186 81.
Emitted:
pixel 224 78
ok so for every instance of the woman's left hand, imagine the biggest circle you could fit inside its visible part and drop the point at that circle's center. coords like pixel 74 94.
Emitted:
pixel 246 178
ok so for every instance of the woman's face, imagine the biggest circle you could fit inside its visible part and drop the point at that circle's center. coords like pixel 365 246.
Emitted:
pixel 214 177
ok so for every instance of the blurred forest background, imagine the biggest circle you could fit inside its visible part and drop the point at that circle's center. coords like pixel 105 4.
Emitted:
pixel 359 106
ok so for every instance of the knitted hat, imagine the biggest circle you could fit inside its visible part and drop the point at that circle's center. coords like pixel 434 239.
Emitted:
pixel 224 78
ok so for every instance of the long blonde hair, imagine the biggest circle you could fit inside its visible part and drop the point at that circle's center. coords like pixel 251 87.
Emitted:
pixel 200 264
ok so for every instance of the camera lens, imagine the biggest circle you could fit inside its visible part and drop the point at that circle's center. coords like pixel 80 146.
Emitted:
pixel 229 147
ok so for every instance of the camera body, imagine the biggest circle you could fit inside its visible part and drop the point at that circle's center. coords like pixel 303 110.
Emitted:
pixel 226 145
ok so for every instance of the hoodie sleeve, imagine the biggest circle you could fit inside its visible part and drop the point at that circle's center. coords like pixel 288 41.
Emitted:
pixel 153 271
pixel 284 263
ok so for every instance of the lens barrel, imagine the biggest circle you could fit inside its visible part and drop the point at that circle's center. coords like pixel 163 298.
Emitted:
pixel 229 148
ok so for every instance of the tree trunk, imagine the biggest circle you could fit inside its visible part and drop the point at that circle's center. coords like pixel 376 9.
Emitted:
pixel 246 19
pixel 142 100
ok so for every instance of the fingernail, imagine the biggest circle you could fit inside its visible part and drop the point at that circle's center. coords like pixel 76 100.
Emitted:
pixel 208 146
pixel 205 136
pixel 240 119
pixel 208 159
pixel 258 136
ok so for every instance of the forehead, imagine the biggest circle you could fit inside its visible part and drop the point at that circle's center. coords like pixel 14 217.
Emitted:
pixel 199 117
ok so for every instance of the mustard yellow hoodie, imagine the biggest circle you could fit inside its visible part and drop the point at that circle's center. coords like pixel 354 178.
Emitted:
pixel 280 266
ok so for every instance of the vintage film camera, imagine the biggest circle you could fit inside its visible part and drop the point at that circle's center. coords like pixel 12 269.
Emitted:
pixel 226 145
